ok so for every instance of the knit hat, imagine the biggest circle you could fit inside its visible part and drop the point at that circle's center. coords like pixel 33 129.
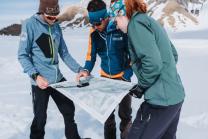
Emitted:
pixel 117 7
pixel 49 7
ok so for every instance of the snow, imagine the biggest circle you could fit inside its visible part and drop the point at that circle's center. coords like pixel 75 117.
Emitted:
pixel 203 21
pixel 16 102
pixel 158 10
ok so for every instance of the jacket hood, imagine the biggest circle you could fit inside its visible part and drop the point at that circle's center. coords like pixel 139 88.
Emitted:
pixel 40 19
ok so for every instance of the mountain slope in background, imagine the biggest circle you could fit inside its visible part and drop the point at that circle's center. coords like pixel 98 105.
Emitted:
pixel 174 15
pixel 171 14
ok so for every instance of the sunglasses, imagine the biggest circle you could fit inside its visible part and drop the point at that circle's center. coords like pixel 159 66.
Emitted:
pixel 49 17
pixel 96 24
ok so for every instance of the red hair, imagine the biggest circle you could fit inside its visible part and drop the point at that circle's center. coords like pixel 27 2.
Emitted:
pixel 134 6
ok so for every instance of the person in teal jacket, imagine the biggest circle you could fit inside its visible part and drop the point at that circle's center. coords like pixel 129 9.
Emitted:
pixel 153 59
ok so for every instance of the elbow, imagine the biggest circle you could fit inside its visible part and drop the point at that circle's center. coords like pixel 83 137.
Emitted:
pixel 157 67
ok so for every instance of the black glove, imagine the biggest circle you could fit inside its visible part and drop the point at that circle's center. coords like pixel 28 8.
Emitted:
pixel 136 91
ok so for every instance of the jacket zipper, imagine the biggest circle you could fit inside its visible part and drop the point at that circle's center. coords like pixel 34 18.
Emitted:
pixel 51 42
pixel 109 62
pixel 51 45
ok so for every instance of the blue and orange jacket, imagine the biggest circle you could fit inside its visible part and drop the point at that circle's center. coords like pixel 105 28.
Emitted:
pixel 112 47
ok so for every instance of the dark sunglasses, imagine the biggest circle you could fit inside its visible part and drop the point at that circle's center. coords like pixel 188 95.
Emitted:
pixel 96 24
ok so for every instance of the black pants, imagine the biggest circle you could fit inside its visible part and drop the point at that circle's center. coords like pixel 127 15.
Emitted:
pixel 40 104
pixel 155 122
pixel 125 116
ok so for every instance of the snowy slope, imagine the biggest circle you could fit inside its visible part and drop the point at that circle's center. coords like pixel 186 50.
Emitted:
pixel 203 17
pixel 16 104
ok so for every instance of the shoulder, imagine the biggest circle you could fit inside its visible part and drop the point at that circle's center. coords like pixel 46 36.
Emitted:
pixel 141 20
pixel 29 22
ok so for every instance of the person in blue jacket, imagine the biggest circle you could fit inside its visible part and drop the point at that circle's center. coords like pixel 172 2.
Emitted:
pixel 111 45
pixel 40 43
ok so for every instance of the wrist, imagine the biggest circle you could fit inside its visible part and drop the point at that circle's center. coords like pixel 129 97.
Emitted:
pixel 34 76
pixel 84 70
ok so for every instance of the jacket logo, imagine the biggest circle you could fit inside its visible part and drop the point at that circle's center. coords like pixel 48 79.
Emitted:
pixel 23 36
pixel 117 38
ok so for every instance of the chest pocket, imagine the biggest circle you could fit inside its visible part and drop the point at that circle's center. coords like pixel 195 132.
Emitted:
pixel 44 43
pixel 117 41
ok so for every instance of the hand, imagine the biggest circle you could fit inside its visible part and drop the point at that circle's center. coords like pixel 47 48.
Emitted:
pixel 82 73
pixel 136 91
pixel 122 23
pixel 41 82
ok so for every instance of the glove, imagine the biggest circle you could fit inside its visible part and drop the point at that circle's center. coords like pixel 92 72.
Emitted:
pixel 136 91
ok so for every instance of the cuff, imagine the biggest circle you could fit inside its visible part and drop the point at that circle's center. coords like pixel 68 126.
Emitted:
pixel 127 74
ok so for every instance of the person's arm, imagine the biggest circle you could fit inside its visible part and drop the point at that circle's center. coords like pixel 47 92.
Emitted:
pixel 25 48
pixel 146 49
pixel 91 55
pixel 175 54
pixel 67 58
pixel 128 72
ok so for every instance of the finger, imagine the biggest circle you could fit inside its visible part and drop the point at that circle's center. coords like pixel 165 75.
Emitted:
pixel 41 87
pixel 44 84
pixel 78 77
pixel 44 87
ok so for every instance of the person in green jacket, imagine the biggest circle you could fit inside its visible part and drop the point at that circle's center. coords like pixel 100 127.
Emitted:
pixel 153 59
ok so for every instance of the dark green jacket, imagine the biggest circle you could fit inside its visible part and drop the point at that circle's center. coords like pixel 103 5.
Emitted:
pixel 154 61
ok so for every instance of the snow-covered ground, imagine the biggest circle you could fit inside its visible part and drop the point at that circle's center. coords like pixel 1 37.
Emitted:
pixel 16 103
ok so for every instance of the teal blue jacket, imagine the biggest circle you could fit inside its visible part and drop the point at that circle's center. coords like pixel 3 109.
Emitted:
pixel 112 47
pixel 153 59
pixel 39 48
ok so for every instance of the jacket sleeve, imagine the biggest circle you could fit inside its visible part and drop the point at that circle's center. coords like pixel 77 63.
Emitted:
pixel 25 48
pixel 91 55
pixel 146 49
pixel 175 54
pixel 67 58
pixel 128 72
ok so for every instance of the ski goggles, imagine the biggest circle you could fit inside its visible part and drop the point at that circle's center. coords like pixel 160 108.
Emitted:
pixel 49 17
pixel 97 17
pixel 53 11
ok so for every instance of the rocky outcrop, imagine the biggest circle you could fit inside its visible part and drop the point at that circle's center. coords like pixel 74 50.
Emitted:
pixel 13 30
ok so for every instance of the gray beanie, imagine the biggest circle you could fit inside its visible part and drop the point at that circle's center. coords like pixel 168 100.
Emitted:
pixel 50 7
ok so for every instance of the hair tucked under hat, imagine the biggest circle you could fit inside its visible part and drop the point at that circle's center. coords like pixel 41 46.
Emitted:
pixel 50 7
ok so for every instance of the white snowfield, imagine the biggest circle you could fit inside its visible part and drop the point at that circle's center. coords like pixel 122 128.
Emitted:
pixel 99 98
pixel 16 102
